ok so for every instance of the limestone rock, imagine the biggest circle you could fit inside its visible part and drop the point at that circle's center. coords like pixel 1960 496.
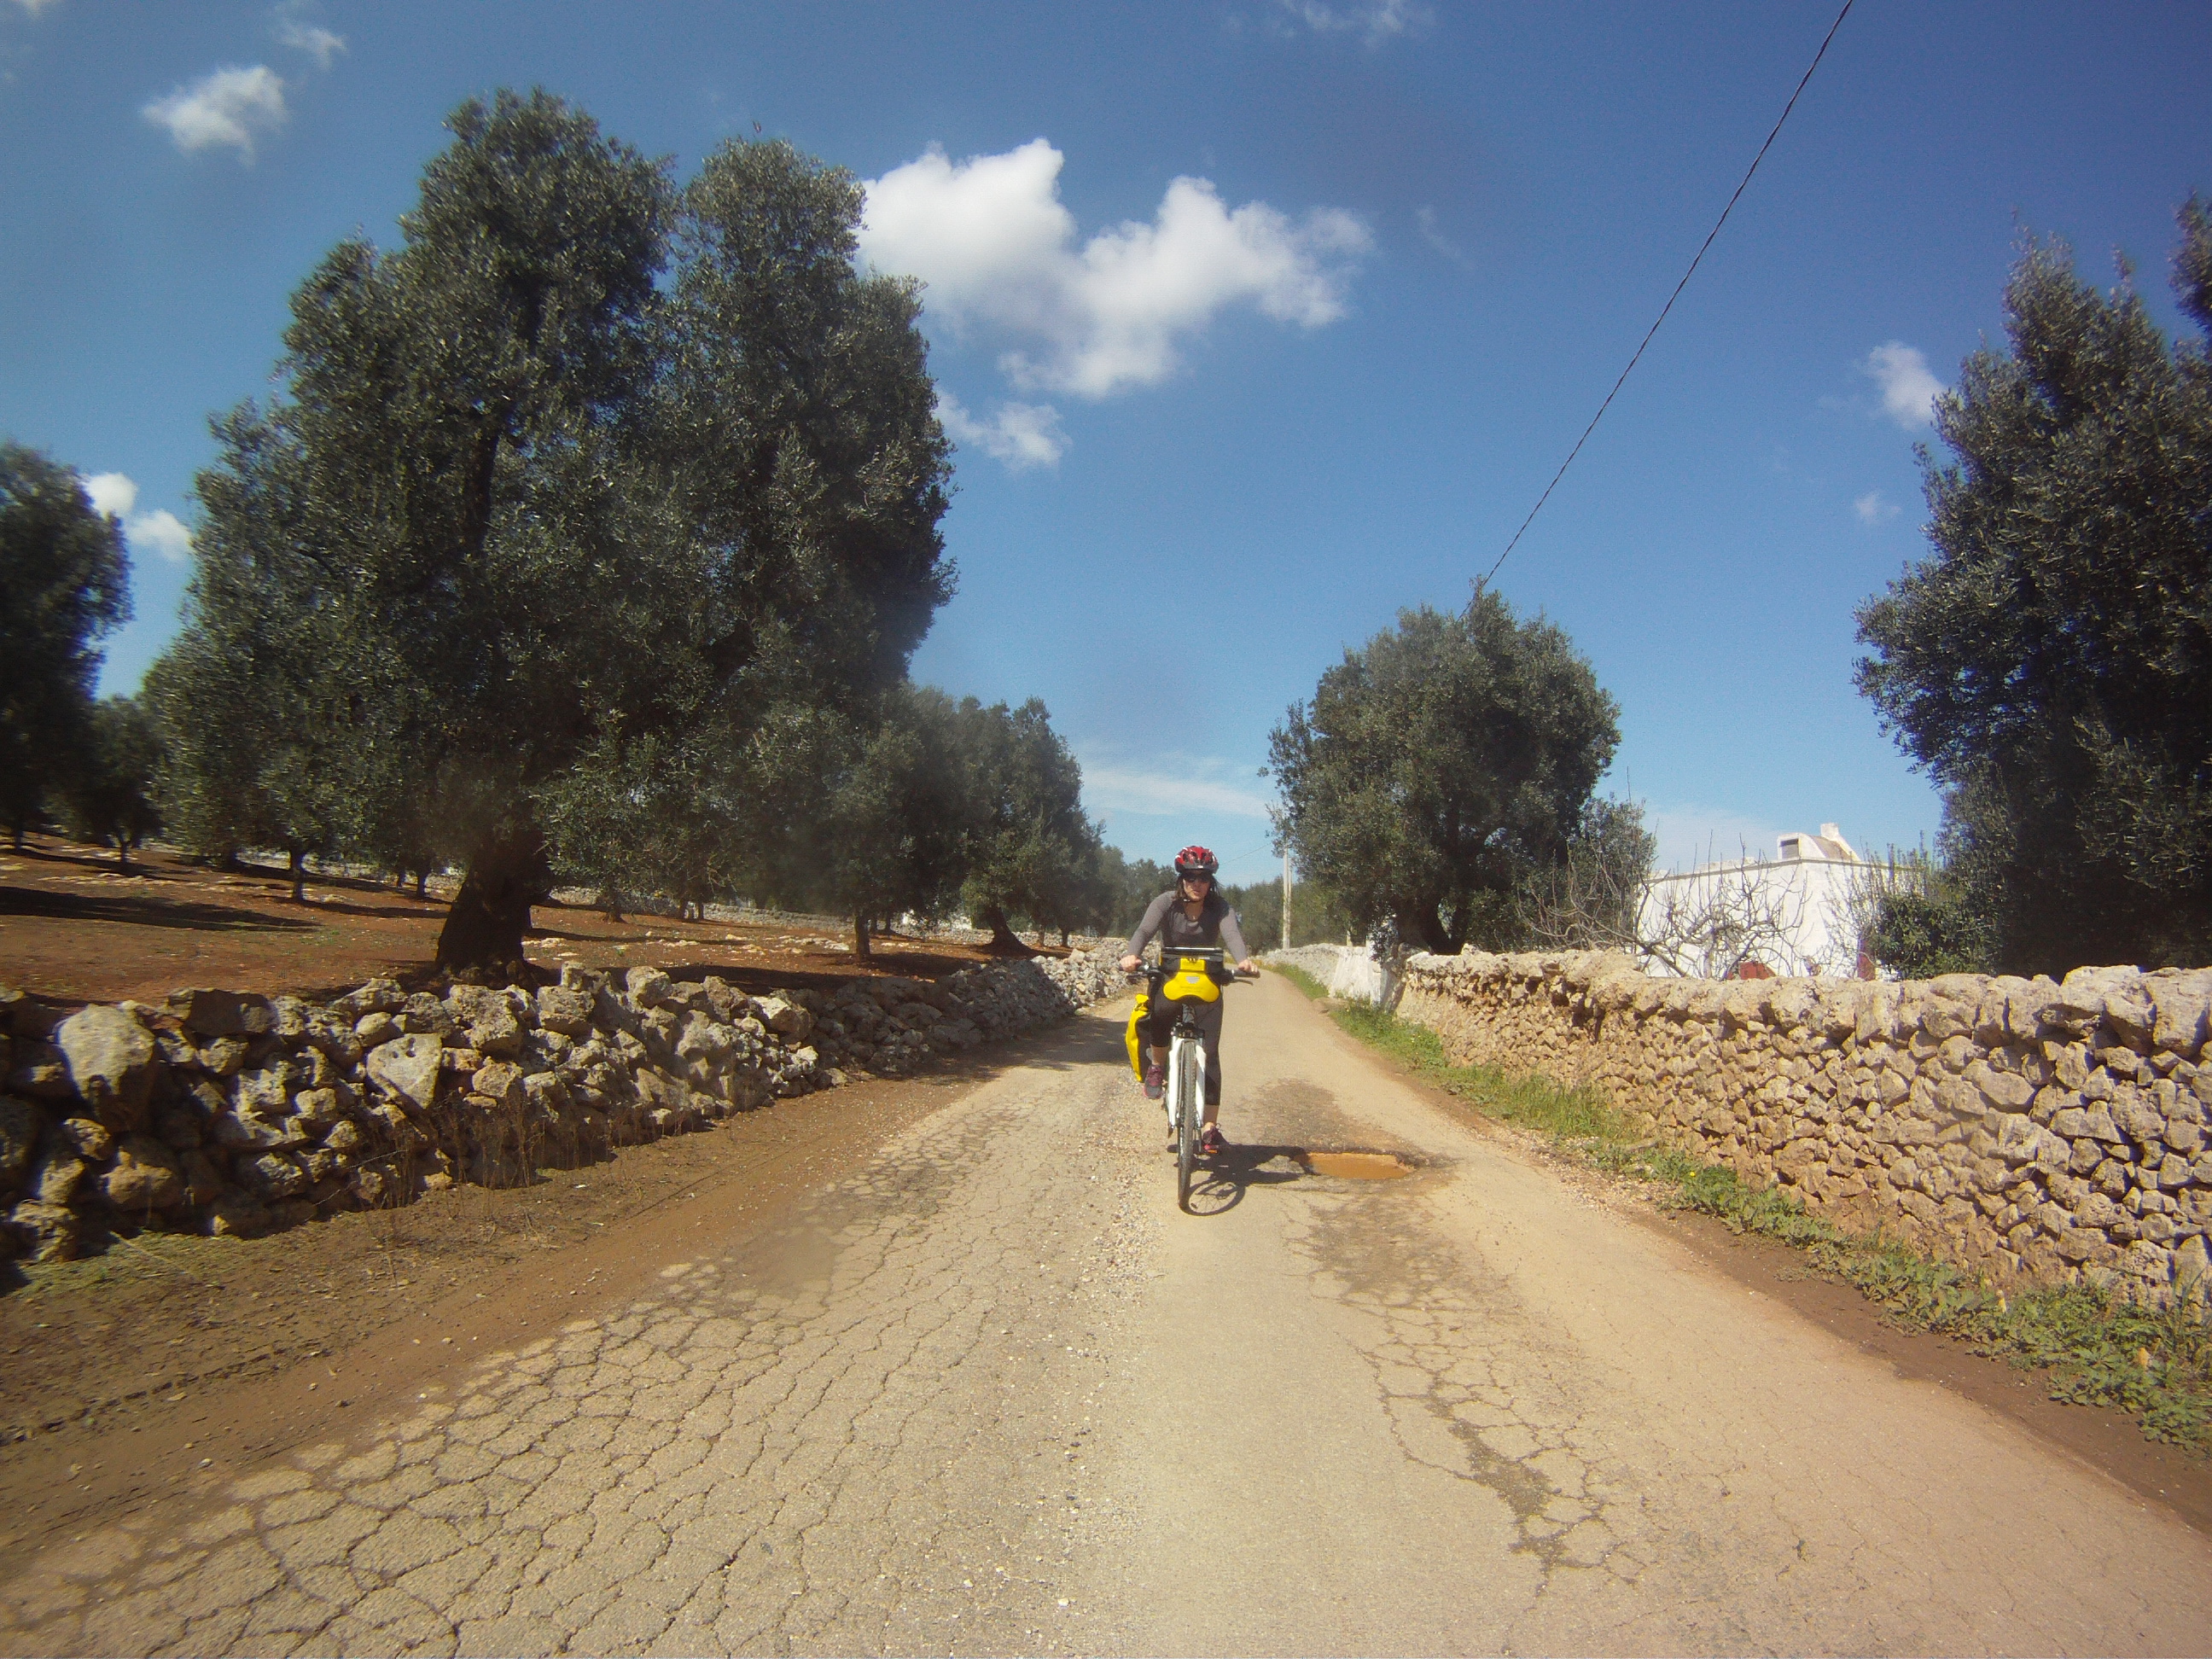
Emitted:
pixel 87 1139
pixel 146 1176
pixel 649 987
pixel 422 1014
pixel 222 1013
pixel 788 1019
pixel 379 996
pixel 499 1082
pixel 407 1066
pixel 566 1011
pixel 2192 1268
pixel 270 1177
pixel 267 1091
pixel 57 1176
pixel 224 1056
pixel 2183 1002
pixel 112 1062
pixel 496 1032
pixel 49 1232
pixel 237 1132
pixel 39 1072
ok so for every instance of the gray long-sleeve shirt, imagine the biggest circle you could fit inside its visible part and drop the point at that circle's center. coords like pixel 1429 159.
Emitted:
pixel 1164 919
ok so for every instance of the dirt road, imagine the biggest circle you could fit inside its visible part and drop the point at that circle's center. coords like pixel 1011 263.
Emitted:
pixel 991 1393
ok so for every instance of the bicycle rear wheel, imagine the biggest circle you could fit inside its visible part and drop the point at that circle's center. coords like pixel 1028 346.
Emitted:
pixel 1188 1072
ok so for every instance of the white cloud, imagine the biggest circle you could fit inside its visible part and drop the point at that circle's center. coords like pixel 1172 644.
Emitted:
pixel 994 244
pixel 1378 19
pixel 1424 220
pixel 1909 389
pixel 34 7
pixel 111 493
pixel 1196 786
pixel 227 106
pixel 160 533
pixel 1872 509
pixel 317 42
pixel 1022 435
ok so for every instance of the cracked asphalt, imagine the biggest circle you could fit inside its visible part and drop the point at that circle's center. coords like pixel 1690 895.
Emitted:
pixel 991 1393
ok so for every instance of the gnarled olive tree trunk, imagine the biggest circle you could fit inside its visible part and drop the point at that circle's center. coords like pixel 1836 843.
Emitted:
pixel 482 936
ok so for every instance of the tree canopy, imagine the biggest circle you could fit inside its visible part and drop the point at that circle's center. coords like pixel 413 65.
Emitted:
pixel 1035 852
pixel 110 788
pixel 66 581
pixel 1438 764
pixel 2050 664
pixel 575 506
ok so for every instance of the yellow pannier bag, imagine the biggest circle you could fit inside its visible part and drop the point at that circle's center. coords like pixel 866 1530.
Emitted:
pixel 1136 1039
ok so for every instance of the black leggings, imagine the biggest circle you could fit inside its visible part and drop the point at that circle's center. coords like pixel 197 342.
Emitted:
pixel 1159 1026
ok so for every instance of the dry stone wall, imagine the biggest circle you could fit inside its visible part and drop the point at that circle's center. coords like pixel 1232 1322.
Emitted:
pixel 2023 1128
pixel 232 1114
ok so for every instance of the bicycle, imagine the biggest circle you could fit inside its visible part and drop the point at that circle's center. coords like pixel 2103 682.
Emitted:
pixel 1196 976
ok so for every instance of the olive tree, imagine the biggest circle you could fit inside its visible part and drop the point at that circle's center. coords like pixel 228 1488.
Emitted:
pixel 2050 662
pixel 110 788
pixel 588 478
pixel 1035 852
pixel 65 578
pixel 1438 765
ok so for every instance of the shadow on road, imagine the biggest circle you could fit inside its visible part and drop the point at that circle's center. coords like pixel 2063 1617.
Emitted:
pixel 1220 1183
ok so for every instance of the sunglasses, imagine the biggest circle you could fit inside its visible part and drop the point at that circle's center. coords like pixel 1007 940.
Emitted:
pixel 1199 876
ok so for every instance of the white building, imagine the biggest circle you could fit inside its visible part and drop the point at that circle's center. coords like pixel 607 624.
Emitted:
pixel 1801 912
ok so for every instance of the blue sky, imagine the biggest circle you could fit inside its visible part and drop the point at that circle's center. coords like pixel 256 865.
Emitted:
pixel 1215 431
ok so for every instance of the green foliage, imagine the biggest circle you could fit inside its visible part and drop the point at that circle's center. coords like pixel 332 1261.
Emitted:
pixel 1317 917
pixel 2094 1348
pixel 593 517
pixel 1918 935
pixel 1034 852
pixel 66 581
pixel 903 816
pixel 110 789
pixel 1438 765
pixel 2051 663
pixel 1124 888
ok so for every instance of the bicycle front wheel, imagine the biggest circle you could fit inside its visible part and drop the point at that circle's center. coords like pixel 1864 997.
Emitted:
pixel 1187 1086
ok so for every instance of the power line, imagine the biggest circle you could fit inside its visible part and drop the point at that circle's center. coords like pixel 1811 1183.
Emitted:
pixel 1671 298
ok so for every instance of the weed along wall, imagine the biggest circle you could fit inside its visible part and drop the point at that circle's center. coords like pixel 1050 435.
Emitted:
pixel 2019 1128
pixel 225 1113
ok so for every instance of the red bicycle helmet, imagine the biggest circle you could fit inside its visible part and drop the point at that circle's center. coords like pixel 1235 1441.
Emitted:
pixel 1195 860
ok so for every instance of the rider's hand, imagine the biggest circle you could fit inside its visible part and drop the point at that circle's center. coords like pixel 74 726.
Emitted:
pixel 1247 966
pixel 1130 964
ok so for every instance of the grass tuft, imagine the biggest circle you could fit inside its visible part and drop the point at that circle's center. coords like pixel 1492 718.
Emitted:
pixel 2096 1347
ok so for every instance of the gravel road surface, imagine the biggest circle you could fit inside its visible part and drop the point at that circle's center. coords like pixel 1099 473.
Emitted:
pixel 991 1393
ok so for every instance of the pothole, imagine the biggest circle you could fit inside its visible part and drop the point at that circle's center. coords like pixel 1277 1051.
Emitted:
pixel 1353 1165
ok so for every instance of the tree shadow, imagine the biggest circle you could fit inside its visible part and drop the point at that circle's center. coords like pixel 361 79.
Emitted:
pixel 135 910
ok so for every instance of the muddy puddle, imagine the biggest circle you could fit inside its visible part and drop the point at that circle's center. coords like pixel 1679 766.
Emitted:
pixel 1353 1165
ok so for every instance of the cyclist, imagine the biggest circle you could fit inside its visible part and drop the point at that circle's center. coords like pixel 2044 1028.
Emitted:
pixel 1191 915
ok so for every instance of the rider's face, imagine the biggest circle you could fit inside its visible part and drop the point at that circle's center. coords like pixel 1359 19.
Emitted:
pixel 1195 887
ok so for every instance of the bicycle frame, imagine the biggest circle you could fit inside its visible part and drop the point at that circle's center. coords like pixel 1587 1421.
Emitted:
pixel 1186 978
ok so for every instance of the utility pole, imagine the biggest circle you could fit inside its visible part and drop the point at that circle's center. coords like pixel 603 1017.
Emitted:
pixel 1286 898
